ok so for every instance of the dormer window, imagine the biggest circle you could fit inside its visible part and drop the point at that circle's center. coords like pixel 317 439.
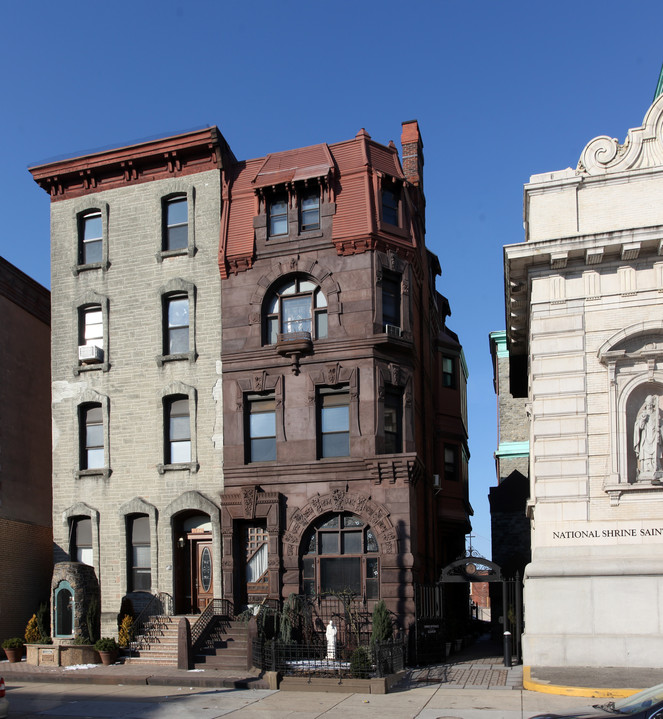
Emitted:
pixel 278 217
pixel 390 201
pixel 310 212
pixel 297 306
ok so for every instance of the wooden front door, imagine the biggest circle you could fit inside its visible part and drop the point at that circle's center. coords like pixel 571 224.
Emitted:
pixel 202 591
pixel 256 576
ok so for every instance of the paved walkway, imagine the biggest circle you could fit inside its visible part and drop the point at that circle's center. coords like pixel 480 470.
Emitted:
pixel 477 668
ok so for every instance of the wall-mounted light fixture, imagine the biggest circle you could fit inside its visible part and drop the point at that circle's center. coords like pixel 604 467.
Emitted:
pixel 181 543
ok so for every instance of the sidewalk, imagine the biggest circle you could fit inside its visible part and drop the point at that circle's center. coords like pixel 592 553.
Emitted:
pixel 132 673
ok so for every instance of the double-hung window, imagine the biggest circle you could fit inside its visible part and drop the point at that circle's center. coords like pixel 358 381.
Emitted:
pixel 80 540
pixel 310 212
pixel 178 430
pixel 393 420
pixel 91 238
pixel 261 426
pixel 176 224
pixel 139 553
pixel 278 217
pixel 448 373
pixel 91 436
pixel 334 422
pixel 390 200
pixel 391 299
pixel 177 322
pixel 451 463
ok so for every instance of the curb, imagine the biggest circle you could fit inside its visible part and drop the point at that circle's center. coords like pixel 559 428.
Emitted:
pixel 546 688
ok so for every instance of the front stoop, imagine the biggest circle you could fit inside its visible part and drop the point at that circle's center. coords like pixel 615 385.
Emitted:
pixel 158 642
pixel 226 648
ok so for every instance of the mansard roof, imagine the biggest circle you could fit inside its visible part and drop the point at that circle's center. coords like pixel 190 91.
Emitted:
pixel 351 170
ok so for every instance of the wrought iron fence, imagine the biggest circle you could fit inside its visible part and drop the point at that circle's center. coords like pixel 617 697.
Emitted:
pixel 353 617
pixel 310 660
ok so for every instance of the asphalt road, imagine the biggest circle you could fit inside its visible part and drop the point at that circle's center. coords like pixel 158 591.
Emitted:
pixel 79 701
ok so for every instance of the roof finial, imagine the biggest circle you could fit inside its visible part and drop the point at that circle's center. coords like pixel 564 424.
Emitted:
pixel 659 84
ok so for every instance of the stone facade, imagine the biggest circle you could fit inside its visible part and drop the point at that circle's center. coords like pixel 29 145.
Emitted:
pixel 220 523
pixel 25 470
pixel 584 295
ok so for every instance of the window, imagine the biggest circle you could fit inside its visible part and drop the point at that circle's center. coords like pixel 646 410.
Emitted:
pixel 450 463
pixel 310 212
pixel 176 340
pixel 393 420
pixel 176 230
pixel 390 201
pixel 92 327
pixel 334 422
pixel 297 305
pixel 80 540
pixel 139 550
pixel 178 430
pixel 278 217
pixel 91 238
pixel 261 425
pixel 92 436
pixel 340 554
pixel 391 298
pixel 448 372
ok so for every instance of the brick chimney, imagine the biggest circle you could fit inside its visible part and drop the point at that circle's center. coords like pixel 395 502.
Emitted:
pixel 413 154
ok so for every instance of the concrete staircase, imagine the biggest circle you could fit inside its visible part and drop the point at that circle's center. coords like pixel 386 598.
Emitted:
pixel 158 642
pixel 226 647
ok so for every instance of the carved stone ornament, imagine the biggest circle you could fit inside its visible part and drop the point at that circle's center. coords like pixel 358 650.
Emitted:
pixel 375 514
pixel 642 148
pixel 249 502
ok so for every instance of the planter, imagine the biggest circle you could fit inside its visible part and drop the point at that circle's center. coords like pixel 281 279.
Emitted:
pixel 14 655
pixel 458 645
pixel 108 658
pixel 448 648
pixel 61 655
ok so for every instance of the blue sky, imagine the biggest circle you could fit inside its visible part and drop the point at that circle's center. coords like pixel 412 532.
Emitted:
pixel 501 90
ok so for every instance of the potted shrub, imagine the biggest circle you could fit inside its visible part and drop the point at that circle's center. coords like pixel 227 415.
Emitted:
pixel 13 648
pixel 108 650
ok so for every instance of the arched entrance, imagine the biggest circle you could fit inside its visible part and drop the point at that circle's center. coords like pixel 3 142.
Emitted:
pixel 193 555
pixel 474 568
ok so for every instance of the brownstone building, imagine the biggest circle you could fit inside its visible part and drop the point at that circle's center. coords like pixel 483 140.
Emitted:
pixel 25 448
pixel 345 431
pixel 254 388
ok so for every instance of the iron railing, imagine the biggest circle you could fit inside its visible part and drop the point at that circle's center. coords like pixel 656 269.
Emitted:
pixel 161 604
pixel 309 660
pixel 216 608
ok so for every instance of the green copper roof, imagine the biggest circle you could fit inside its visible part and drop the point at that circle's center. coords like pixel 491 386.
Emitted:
pixel 659 84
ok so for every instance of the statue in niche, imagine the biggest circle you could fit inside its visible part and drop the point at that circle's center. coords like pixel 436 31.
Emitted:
pixel 647 440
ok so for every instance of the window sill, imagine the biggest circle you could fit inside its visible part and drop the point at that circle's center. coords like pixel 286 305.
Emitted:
pixel 101 472
pixel 98 367
pixel 180 357
pixel 77 269
pixel 393 229
pixel 183 252
pixel 179 467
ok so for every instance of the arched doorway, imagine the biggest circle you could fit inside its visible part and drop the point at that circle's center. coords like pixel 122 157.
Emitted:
pixel 193 562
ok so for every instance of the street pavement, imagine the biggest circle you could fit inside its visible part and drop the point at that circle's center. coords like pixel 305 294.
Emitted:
pixel 64 700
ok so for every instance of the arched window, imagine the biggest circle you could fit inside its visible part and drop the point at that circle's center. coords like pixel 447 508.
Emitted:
pixel 91 436
pixel 139 551
pixel 295 306
pixel 80 540
pixel 177 427
pixel 340 553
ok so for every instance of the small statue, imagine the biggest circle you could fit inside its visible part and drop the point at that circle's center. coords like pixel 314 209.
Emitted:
pixel 647 436
pixel 331 640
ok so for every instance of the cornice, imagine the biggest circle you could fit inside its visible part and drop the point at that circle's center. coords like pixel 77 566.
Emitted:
pixel 175 156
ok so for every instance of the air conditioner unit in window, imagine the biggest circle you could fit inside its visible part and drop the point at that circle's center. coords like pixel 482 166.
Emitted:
pixel 90 354
pixel 436 481
pixel 393 330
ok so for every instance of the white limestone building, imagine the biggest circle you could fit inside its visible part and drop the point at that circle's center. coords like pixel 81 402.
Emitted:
pixel 584 296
